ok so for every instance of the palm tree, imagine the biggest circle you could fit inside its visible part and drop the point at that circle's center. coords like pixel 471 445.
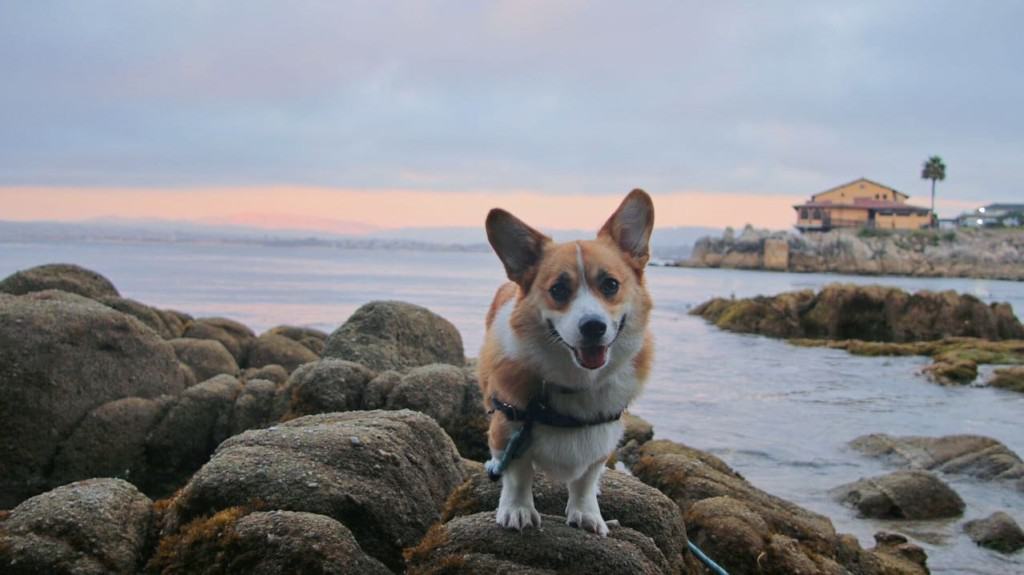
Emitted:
pixel 933 170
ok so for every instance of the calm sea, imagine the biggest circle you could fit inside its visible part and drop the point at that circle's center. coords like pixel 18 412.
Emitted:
pixel 781 415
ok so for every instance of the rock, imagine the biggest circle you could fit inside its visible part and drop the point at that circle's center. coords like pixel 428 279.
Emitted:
pixel 972 455
pixel 622 497
pixel 206 357
pixel 452 397
pixel 745 529
pixel 997 531
pixel 636 429
pixel 901 495
pixel 375 396
pixel 257 406
pixel 235 336
pixel 314 339
pixel 174 321
pixel 1011 378
pixel 268 543
pixel 327 385
pixel 383 474
pixel 61 356
pixel 273 349
pixel 140 311
pixel 194 426
pixel 476 544
pixel 275 373
pixel 111 441
pixel 959 372
pixel 94 526
pixel 898 555
pixel 396 335
pixel 64 277
pixel 869 313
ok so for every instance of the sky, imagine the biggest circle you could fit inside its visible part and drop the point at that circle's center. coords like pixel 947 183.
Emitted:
pixel 391 114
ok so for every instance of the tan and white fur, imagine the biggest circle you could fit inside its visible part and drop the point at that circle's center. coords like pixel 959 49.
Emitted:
pixel 545 337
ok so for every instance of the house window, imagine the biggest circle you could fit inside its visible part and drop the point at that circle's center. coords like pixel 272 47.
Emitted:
pixel 816 214
pixel 803 213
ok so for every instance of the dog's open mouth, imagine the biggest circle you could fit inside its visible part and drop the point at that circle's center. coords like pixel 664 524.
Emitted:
pixel 591 357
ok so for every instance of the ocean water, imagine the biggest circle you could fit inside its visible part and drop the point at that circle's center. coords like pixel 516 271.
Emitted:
pixel 781 415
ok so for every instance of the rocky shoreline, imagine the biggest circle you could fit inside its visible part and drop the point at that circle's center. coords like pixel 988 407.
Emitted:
pixel 992 254
pixel 136 439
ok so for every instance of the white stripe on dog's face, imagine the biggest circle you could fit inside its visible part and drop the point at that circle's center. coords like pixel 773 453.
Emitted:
pixel 585 306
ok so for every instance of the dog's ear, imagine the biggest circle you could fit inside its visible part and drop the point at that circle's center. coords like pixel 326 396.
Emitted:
pixel 630 228
pixel 518 246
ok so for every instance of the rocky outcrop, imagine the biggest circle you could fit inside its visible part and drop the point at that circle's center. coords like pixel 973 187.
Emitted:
pixel 976 456
pixel 1011 378
pixel 64 277
pixel 396 335
pixel 997 531
pixel 95 526
pixel 270 543
pixel 234 336
pixel 383 474
pixel 901 495
pixel 313 339
pixel 274 373
pixel 749 531
pixel 866 313
pixel 61 357
pixel 327 385
pixel 997 254
pixel 273 349
pixel 152 317
pixel 205 357
pixel 623 498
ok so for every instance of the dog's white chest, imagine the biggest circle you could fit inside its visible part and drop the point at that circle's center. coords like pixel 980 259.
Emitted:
pixel 565 453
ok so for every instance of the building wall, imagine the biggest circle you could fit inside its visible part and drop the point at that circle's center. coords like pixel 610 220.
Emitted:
pixel 862 189
pixel 901 222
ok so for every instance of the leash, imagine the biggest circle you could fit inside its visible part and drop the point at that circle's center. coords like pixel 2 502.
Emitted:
pixel 707 561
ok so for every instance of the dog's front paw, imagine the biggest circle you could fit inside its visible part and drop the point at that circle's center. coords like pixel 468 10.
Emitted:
pixel 518 517
pixel 588 520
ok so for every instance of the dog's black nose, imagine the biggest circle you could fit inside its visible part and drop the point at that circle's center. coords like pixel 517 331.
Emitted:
pixel 592 328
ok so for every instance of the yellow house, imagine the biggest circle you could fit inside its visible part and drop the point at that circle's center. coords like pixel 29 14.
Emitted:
pixel 860 204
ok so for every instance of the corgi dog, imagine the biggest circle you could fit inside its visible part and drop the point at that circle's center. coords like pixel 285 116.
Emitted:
pixel 567 349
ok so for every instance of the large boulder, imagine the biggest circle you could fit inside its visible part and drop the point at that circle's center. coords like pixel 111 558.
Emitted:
pixel 622 497
pixel 267 543
pixel 973 455
pixel 64 277
pixel 396 335
pixel 901 495
pixel 258 405
pixel 476 544
pixel 90 527
pixel 997 531
pixel 235 336
pixel 1011 378
pixel 206 357
pixel 870 313
pixel 273 349
pixel 61 356
pixel 747 530
pixel 383 474
pixel 147 315
pixel 327 385
pixel 314 339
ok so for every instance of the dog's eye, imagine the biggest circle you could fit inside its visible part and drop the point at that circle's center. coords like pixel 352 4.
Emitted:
pixel 559 292
pixel 609 286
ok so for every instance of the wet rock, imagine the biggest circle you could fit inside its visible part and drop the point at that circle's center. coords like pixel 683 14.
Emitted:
pixel 64 277
pixel 327 385
pixel 383 474
pixel 256 406
pixel 235 336
pixel 94 526
pixel 140 311
pixel 268 543
pixel 869 313
pixel 194 426
pixel 636 429
pixel 61 356
pixel 957 372
pixel 973 455
pixel 476 544
pixel 314 339
pixel 898 555
pixel 743 528
pixel 622 497
pixel 111 441
pixel 273 349
pixel 901 495
pixel 396 335
pixel 205 357
pixel 275 373
pixel 1011 378
pixel 997 531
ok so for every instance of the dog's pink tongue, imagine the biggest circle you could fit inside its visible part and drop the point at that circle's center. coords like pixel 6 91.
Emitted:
pixel 593 357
